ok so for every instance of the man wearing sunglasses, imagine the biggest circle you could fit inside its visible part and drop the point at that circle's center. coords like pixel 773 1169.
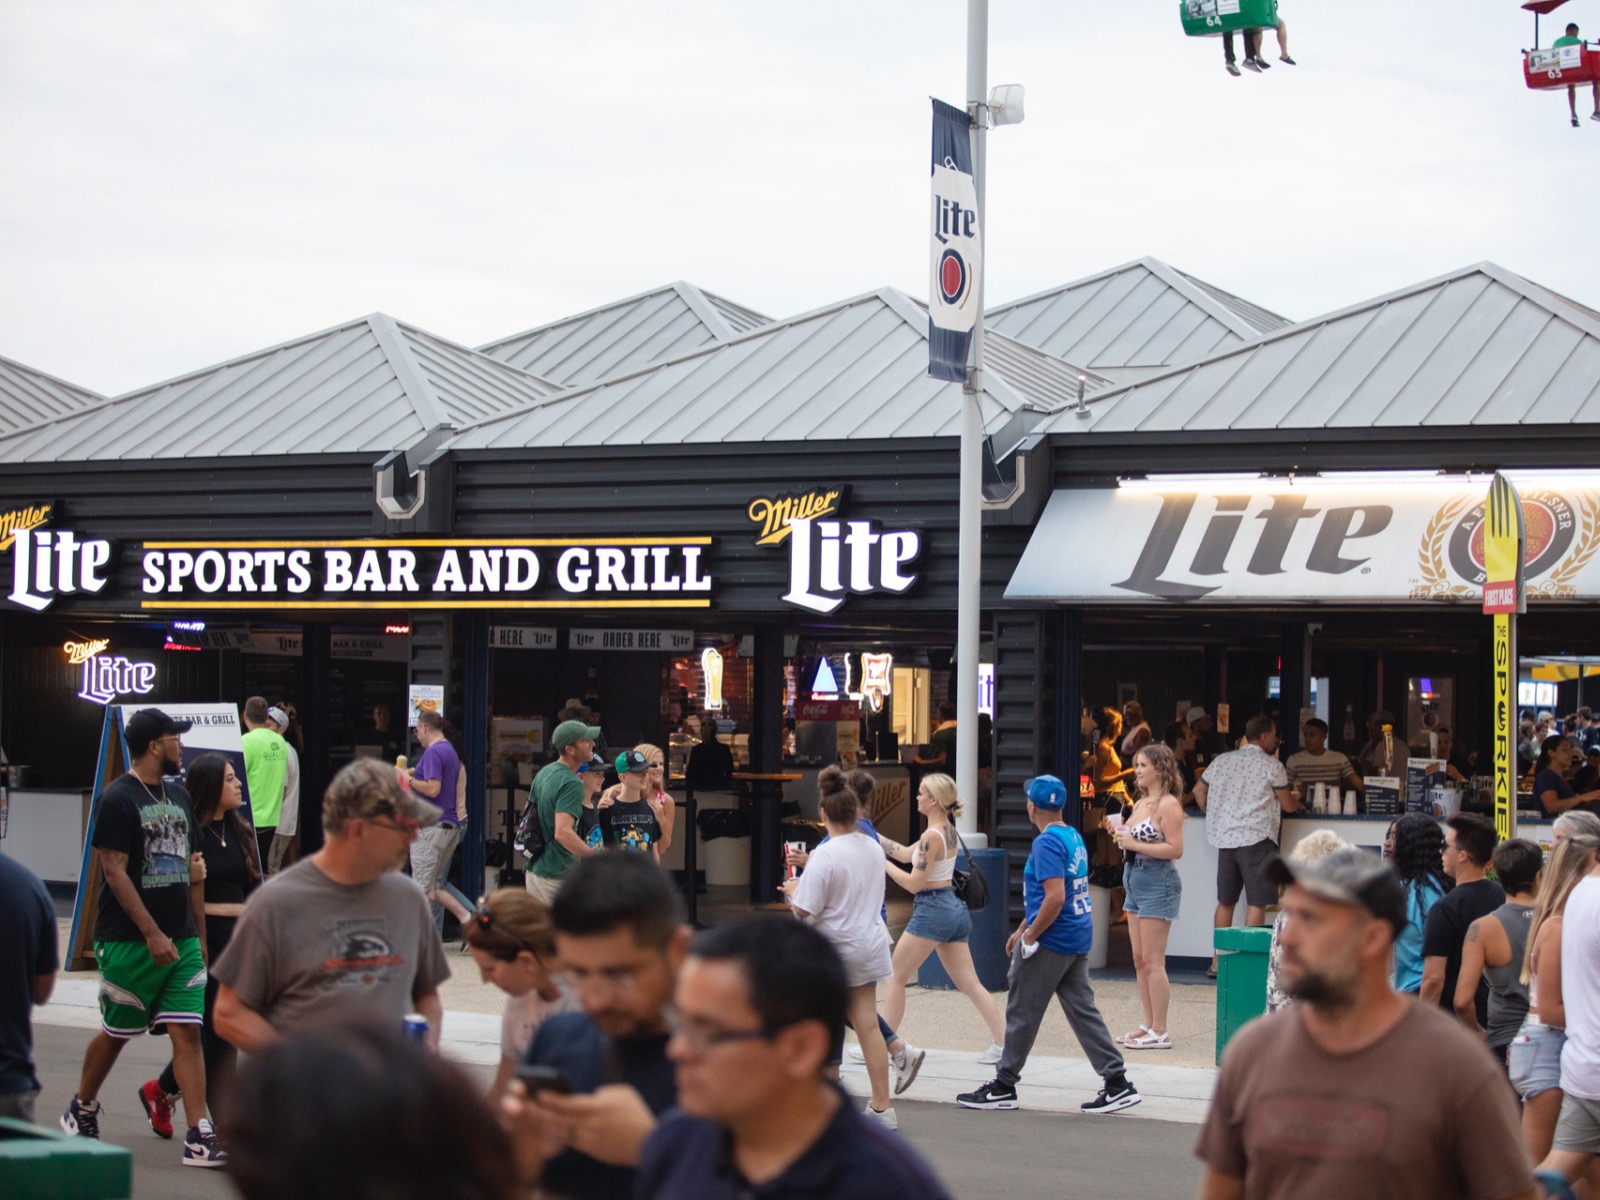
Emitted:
pixel 600 1078
pixel 340 933
pixel 760 1016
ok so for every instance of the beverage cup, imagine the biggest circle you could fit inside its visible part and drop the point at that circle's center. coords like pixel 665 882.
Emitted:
pixel 790 871
pixel 1350 809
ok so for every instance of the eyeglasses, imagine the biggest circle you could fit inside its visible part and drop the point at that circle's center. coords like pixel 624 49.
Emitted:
pixel 701 1038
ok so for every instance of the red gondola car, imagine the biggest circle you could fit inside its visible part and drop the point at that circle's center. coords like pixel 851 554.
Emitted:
pixel 1564 66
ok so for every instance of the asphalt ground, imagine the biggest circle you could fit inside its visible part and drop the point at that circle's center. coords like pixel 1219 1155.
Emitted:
pixel 1015 1155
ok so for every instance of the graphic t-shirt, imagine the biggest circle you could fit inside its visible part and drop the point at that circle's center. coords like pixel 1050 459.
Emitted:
pixel 1421 1114
pixel 440 761
pixel 155 827
pixel 27 950
pixel 1446 930
pixel 1059 853
pixel 630 825
pixel 266 770
pixel 309 949
pixel 1551 781
pixel 589 829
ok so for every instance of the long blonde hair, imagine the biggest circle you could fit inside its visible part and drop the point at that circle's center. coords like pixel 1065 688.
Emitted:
pixel 943 789
pixel 1570 860
pixel 650 751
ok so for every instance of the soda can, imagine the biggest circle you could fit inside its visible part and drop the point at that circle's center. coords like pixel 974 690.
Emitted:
pixel 415 1027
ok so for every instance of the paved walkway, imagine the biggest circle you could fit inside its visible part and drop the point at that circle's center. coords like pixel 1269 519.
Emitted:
pixel 1171 1092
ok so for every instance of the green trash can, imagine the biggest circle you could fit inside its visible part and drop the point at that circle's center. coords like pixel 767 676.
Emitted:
pixel 1213 18
pixel 45 1164
pixel 1241 979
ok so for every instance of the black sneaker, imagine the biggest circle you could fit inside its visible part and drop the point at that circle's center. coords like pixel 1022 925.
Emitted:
pixel 1113 1097
pixel 82 1120
pixel 993 1094
pixel 201 1148
pixel 1263 64
pixel 1284 58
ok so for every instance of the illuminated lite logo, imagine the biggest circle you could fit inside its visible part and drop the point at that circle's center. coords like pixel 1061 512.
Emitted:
pixel 711 669
pixel 877 679
pixel 104 679
pixel 829 560
pixel 825 684
pixel 81 652
pixel 45 565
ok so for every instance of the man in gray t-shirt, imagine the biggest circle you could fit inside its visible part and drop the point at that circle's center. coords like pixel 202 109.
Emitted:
pixel 340 932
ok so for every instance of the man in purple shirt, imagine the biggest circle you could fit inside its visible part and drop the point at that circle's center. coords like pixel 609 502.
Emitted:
pixel 437 778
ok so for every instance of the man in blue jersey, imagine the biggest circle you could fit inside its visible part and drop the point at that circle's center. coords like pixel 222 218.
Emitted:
pixel 1049 957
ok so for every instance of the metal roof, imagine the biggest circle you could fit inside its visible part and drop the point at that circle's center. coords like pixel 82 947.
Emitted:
pixel 28 396
pixel 371 385
pixel 1134 321
pixel 856 369
pixel 1479 347
pixel 625 335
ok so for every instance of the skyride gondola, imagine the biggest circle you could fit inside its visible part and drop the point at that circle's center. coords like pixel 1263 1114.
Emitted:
pixel 1224 18
pixel 1567 62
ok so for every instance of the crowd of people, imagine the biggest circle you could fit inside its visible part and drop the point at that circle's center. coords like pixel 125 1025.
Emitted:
pixel 1434 1026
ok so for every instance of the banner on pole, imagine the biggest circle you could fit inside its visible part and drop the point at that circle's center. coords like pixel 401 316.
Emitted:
pixel 1504 596
pixel 956 249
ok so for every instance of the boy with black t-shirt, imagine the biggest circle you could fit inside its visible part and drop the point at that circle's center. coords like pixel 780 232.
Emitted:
pixel 1469 842
pixel 628 822
pixel 152 903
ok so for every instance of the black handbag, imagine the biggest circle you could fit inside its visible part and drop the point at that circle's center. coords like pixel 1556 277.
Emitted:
pixel 970 887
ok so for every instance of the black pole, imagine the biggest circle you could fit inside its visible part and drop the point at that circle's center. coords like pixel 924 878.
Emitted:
pixel 473 629
pixel 1069 709
pixel 316 664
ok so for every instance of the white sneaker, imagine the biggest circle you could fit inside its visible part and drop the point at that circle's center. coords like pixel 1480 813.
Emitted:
pixel 886 1118
pixel 992 1055
pixel 854 1051
pixel 906 1068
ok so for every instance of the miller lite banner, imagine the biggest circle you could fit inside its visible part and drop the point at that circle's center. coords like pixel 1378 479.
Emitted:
pixel 1315 541
pixel 956 257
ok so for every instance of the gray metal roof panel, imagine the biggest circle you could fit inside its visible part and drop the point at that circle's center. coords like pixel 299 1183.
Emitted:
pixel 853 369
pixel 1481 346
pixel 624 335
pixel 28 396
pixel 368 386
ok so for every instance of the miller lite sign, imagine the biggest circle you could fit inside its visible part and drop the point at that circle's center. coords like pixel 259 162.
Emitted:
pixel 956 251
pixel 832 559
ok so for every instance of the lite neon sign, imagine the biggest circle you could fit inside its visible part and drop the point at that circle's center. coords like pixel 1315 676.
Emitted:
pixel 105 678
pixel 877 679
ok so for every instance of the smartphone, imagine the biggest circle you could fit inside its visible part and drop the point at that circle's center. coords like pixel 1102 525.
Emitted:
pixel 537 1077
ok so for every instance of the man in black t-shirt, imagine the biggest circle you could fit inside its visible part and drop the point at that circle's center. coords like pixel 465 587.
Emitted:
pixel 620 937
pixel 146 936
pixel 628 822
pixel 28 965
pixel 1469 842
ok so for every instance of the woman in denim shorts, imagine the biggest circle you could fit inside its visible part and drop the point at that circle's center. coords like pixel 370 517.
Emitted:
pixel 1152 838
pixel 1534 1056
pixel 939 918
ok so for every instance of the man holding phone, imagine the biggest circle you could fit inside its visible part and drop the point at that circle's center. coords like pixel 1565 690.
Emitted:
pixel 593 1083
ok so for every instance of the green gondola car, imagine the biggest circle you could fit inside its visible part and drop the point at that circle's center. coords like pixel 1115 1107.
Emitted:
pixel 1213 18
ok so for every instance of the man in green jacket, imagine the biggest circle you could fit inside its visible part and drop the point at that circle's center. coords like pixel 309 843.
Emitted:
pixel 558 798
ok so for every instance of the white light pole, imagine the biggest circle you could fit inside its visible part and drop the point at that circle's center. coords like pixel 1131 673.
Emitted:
pixel 1002 108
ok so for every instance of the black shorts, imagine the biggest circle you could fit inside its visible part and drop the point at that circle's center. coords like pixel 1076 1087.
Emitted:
pixel 1242 869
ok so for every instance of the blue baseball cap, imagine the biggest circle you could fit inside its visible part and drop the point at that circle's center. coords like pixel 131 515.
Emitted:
pixel 595 763
pixel 1046 791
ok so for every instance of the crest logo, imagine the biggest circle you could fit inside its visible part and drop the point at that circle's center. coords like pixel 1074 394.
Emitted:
pixel 1562 536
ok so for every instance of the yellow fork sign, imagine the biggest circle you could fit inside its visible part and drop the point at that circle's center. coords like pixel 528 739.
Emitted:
pixel 1503 598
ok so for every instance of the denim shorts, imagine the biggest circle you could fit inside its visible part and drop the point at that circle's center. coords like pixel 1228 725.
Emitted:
pixel 1534 1059
pixel 1152 888
pixel 940 917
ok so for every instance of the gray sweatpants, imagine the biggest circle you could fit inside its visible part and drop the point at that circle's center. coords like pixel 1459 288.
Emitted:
pixel 1032 981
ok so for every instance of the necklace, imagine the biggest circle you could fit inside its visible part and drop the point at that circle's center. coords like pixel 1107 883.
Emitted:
pixel 158 797
pixel 220 831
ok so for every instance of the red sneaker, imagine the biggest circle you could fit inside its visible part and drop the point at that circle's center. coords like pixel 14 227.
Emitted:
pixel 158 1107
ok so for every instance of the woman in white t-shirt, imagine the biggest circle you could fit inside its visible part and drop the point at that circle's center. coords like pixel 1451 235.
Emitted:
pixel 841 895
pixel 514 945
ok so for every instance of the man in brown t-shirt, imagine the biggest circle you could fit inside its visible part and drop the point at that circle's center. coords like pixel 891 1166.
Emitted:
pixel 1357 1091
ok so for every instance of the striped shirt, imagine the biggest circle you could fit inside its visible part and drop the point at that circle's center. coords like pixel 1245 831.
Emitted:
pixel 1328 767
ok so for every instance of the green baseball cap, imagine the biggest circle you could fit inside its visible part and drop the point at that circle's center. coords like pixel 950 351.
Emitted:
pixel 569 732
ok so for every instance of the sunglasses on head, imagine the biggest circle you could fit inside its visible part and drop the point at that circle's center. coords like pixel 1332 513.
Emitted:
pixel 483 918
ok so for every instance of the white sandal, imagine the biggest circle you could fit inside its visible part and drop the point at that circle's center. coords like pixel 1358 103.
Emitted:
pixel 1127 1039
pixel 1151 1041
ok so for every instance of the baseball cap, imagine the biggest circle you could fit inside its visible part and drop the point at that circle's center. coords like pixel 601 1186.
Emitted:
pixel 595 763
pixel 573 731
pixel 278 717
pixel 367 788
pixel 1046 791
pixel 149 725
pixel 1194 714
pixel 1349 876
pixel 631 762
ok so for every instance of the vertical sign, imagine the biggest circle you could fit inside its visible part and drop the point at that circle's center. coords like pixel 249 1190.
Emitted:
pixel 1503 599
pixel 956 251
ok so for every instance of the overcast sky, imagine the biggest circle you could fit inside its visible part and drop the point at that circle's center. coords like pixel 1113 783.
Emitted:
pixel 188 180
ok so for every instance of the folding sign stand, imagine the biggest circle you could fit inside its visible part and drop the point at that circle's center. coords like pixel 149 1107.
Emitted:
pixel 113 761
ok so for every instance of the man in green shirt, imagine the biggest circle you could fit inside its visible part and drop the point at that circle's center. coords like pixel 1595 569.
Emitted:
pixel 1573 39
pixel 266 769
pixel 558 798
